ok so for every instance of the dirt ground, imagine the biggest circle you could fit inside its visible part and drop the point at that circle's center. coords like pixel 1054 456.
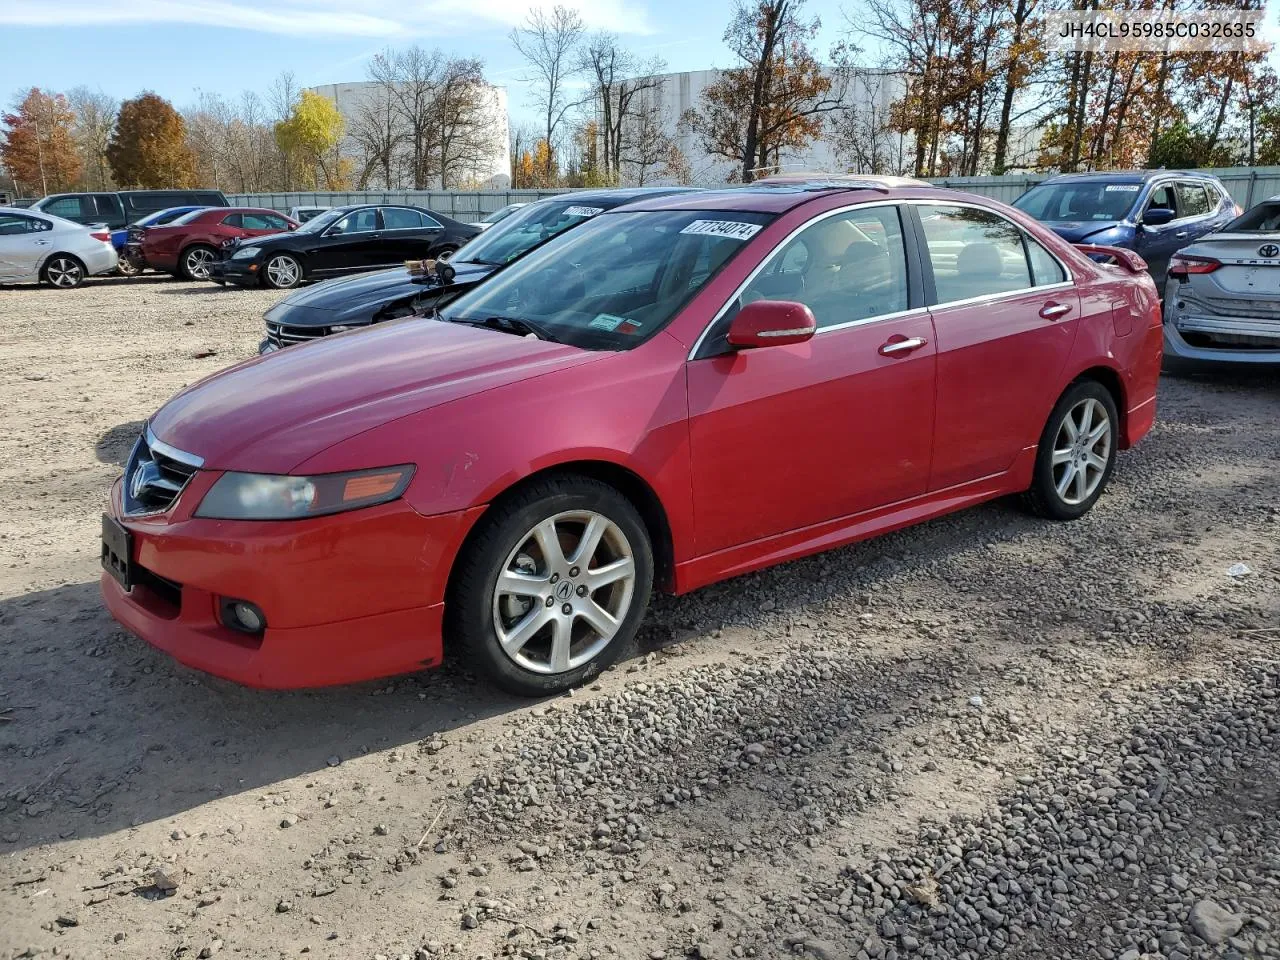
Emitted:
pixel 988 734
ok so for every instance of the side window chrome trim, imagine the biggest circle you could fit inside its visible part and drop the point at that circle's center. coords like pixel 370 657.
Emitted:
pixel 865 321
pixel 992 297
pixel 777 250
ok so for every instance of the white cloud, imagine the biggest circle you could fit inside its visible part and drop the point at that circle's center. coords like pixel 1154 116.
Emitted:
pixel 376 18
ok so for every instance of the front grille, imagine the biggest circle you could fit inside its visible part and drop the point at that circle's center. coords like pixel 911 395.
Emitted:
pixel 155 475
pixel 284 335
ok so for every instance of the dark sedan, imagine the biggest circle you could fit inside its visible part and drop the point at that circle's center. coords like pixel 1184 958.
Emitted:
pixel 350 302
pixel 342 240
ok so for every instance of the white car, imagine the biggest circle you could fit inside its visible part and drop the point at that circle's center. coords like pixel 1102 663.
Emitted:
pixel 303 214
pixel 37 247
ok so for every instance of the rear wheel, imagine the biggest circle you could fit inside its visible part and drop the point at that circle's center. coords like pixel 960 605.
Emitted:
pixel 553 585
pixel 1077 453
pixel 282 271
pixel 195 261
pixel 64 271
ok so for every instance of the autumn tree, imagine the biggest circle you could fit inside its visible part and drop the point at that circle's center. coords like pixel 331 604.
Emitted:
pixel 39 147
pixel 775 96
pixel 148 148
pixel 95 117
pixel 548 42
pixel 311 136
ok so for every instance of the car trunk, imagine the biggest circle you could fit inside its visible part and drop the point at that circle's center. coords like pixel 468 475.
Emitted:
pixel 1237 305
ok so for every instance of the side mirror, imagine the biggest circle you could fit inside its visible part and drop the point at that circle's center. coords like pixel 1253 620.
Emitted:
pixel 1157 217
pixel 771 323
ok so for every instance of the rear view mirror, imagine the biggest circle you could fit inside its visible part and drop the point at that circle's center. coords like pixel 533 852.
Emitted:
pixel 1157 217
pixel 771 323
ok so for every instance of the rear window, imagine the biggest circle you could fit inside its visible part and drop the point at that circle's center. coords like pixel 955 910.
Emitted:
pixel 1264 218
pixel 1079 200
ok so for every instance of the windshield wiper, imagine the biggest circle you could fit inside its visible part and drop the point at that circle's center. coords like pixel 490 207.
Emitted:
pixel 483 263
pixel 517 325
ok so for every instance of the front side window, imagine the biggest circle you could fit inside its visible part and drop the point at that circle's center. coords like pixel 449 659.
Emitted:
pixel 275 222
pixel 398 218
pixel 613 282
pixel 974 252
pixel 523 230
pixel 1192 199
pixel 843 268
pixel 1162 199
pixel 362 221
pixel 1079 200
pixel 258 221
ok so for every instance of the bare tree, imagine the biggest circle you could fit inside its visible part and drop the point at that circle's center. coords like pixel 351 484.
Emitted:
pixel 862 130
pixel 95 115
pixel 463 110
pixel 378 132
pixel 646 146
pixel 620 82
pixel 547 42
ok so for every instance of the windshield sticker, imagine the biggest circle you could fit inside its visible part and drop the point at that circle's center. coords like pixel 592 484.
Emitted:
pixel 582 211
pixel 1123 187
pixel 730 229
pixel 605 321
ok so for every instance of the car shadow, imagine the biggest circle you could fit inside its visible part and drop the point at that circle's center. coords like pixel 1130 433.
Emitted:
pixel 115 445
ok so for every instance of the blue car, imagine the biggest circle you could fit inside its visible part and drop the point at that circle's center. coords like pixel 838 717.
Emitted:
pixel 1152 212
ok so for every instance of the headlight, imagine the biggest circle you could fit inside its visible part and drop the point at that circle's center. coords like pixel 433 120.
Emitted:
pixel 245 253
pixel 344 327
pixel 257 496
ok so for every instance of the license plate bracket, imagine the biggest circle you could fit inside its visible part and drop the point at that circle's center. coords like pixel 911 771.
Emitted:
pixel 117 549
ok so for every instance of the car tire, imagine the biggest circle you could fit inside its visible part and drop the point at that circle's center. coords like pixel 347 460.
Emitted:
pixel 444 253
pixel 128 267
pixel 195 260
pixel 1071 470
pixel 64 271
pixel 526 643
pixel 287 272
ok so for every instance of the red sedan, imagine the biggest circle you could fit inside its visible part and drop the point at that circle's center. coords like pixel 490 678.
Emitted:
pixel 188 245
pixel 679 391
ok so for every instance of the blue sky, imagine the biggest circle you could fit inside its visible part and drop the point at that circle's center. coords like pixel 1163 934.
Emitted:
pixel 176 47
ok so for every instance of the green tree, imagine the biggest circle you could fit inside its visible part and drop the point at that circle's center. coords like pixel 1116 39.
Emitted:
pixel 149 147
pixel 311 136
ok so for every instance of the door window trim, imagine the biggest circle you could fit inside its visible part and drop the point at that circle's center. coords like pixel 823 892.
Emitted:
pixel 914 270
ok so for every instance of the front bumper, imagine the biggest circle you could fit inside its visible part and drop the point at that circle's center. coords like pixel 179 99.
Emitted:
pixel 346 597
pixel 1197 335
pixel 244 273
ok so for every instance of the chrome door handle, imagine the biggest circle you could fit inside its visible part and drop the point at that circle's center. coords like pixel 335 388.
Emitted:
pixel 43 243
pixel 1181 235
pixel 902 346
pixel 1052 311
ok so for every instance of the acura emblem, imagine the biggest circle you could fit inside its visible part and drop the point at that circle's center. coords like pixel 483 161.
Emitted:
pixel 564 590
pixel 1269 250
pixel 143 474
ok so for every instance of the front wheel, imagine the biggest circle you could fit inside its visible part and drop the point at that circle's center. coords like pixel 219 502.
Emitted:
pixel 282 271
pixel 1077 453
pixel 129 267
pixel 553 585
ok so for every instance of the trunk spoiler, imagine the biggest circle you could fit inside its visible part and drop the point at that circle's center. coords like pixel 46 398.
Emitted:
pixel 1121 257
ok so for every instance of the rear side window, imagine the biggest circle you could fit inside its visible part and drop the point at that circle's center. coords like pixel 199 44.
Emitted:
pixel 843 268
pixel 974 253
pixel 1044 268
pixel 12 225
pixel 1193 201
pixel 233 220
pixel 398 218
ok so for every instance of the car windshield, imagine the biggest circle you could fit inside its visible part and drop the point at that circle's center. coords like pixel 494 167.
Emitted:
pixel 1079 200
pixel 517 234
pixel 187 217
pixel 501 214
pixel 319 222
pixel 613 282
pixel 1264 218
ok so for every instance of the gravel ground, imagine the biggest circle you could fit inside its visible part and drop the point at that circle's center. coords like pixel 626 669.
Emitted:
pixel 988 734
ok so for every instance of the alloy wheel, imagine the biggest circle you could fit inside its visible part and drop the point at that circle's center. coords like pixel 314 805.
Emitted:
pixel 1081 451
pixel 282 271
pixel 198 261
pixel 564 592
pixel 64 273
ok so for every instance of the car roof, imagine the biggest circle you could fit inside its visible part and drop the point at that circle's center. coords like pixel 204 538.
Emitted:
pixel 1128 176
pixel 778 195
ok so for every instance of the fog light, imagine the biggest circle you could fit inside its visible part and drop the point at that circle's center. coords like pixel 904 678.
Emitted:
pixel 242 616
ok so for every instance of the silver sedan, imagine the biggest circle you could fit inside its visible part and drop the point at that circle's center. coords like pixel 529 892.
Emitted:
pixel 38 247
pixel 1222 299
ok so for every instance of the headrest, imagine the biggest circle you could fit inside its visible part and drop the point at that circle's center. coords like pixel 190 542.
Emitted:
pixel 979 259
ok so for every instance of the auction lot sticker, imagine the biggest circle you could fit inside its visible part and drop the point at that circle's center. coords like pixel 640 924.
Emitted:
pixel 1111 31
pixel 730 229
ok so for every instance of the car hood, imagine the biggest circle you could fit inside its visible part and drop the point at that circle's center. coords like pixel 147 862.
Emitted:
pixel 373 289
pixel 265 238
pixel 1076 231
pixel 270 414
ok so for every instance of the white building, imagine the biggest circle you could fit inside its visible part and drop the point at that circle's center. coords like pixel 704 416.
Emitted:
pixel 492 171
pixel 869 94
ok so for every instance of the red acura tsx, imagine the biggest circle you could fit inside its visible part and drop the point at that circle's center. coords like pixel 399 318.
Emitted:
pixel 676 392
